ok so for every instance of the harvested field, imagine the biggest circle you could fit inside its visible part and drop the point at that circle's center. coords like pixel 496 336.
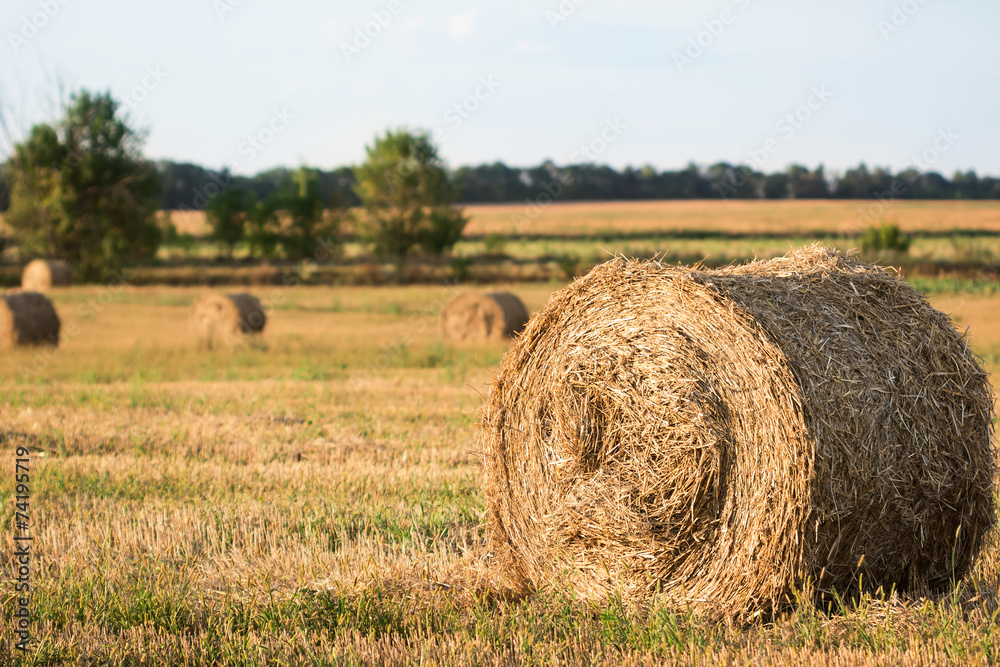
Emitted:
pixel 320 501
pixel 789 217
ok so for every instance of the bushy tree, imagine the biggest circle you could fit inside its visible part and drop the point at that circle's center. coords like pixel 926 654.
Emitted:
pixel 227 214
pixel 264 229
pixel 81 190
pixel 295 219
pixel 407 196
pixel 312 228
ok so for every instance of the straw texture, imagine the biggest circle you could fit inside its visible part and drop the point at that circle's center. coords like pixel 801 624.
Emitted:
pixel 41 275
pixel 723 436
pixel 225 320
pixel 494 316
pixel 28 319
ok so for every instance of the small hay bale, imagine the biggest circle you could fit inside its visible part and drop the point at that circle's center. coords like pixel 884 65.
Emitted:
pixel 227 320
pixel 41 275
pixel 494 316
pixel 726 436
pixel 28 318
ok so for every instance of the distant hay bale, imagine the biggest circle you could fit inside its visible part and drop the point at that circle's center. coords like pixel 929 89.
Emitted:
pixel 28 318
pixel 40 275
pixel 226 320
pixel 494 316
pixel 726 436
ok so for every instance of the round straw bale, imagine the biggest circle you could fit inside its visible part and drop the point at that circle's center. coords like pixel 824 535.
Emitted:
pixel 727 436
pixel 28 318
pixel 493 316
pixel 227 319
pixel 40 275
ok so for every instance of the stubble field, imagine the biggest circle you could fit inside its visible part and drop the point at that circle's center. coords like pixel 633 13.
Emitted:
pixel 316 500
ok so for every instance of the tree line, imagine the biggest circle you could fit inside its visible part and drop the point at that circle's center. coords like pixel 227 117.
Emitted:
pixel 80 188
pixel 184 185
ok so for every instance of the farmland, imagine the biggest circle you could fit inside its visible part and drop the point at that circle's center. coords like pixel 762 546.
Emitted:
pixel 736 217
pixel 316 498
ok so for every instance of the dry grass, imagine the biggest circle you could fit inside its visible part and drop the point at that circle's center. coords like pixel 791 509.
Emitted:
pixel 319 502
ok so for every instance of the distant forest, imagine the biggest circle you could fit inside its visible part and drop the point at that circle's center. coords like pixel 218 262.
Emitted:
pixel 188 186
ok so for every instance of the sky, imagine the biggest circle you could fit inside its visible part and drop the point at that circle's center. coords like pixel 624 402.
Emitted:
pixel 251 85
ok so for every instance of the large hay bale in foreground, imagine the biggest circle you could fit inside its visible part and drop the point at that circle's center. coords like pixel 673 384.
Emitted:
pixel 226 320
pixel 28 318
pixel 40 275
pixel 724 436
pixel 494 316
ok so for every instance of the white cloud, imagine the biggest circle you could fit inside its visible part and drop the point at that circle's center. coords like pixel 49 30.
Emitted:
pixel 461 26
pixel 524 46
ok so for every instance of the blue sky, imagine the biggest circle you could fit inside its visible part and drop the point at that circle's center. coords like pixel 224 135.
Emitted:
pixel 808 82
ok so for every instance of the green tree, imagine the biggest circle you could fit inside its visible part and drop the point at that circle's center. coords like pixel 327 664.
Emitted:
pixel 82 191
pixel 264 228
pixel 407 196
pixel 227 214
pixel 311 227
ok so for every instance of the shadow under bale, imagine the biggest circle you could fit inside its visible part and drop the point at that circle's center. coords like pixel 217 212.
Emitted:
pixel 723 437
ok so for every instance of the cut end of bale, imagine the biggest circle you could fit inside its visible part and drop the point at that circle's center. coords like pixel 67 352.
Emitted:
pixel 723 437
pixel 227 320
pixel 481 317
pixel 28 319
pixel 41 275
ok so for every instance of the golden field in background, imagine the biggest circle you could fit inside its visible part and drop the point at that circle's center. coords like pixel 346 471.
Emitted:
pixel 750 217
